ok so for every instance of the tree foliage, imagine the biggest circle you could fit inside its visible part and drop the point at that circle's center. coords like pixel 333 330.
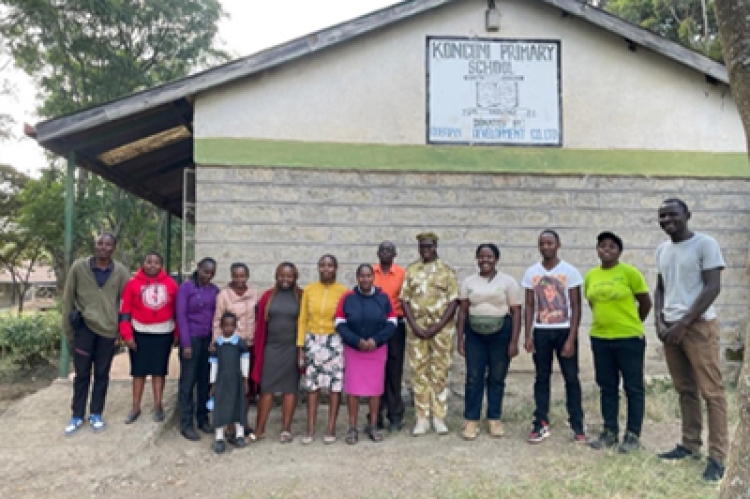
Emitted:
pixel 691 23
pixel 86 52
pixel 7 92
pixel 20 249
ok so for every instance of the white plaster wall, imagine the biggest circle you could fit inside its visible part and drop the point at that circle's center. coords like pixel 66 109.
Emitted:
pixel 372 89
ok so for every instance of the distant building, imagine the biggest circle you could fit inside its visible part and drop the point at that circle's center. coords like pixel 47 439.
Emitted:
pixel 43 284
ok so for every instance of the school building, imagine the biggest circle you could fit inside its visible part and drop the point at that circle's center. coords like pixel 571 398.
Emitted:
pixel 479 123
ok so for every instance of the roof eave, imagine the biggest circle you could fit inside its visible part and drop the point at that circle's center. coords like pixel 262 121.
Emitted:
pixel 643 37
pixel 232 71
pixel 50 130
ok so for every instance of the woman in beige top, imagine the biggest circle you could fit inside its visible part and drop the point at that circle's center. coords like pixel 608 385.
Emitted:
pixel 489 322
pixel 240 299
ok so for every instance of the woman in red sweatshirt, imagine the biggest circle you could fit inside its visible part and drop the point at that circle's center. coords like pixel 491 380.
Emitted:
pixel 148 328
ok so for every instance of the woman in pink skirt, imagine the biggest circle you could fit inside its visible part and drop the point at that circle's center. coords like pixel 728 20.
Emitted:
pixel 365 321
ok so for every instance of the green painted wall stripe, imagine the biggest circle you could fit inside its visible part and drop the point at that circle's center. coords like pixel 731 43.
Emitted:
pixel 251 152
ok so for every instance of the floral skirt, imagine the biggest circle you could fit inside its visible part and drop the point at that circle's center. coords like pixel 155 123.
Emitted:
pixel 324 362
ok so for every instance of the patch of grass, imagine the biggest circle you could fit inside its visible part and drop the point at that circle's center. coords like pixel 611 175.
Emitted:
pixel 583 476
pixel 662 405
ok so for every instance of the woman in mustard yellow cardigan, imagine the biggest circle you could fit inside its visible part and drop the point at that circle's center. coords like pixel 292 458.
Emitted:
pixel 321 353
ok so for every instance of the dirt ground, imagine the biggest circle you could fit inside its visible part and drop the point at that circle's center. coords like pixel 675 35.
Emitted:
pixel 16 384
pixel 150 459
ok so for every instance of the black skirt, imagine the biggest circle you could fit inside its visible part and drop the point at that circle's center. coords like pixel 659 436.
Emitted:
pixel 151 356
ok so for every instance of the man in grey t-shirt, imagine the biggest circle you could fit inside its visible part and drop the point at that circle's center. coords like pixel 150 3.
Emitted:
pixel 689 281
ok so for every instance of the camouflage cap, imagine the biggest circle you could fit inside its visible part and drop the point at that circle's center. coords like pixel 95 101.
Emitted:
pixel 427 236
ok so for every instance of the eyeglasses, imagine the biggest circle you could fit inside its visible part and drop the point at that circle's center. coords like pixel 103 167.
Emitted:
pixel 426 245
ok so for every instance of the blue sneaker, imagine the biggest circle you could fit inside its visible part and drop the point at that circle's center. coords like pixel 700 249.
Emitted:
pixel 73 426
pixel 96 422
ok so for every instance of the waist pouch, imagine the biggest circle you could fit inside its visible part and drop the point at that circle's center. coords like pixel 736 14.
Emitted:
pixel 486 324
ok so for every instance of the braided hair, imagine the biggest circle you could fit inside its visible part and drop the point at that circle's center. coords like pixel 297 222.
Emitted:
pixel 297 291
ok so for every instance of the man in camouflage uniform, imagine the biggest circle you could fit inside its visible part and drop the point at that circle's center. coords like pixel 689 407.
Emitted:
pixel 429 295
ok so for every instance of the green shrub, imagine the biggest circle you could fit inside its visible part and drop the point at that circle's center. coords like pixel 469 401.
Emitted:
pixel 29 340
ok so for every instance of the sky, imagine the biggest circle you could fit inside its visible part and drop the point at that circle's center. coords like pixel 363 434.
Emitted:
pixel 251 25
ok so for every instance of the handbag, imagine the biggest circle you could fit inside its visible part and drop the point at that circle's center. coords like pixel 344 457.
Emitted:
pixel 486 324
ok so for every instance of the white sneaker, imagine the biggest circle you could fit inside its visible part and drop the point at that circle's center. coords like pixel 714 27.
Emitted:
pixel 421 428
pixel 440 427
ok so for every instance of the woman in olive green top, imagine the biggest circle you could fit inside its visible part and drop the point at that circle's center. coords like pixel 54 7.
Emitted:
pixel 619 299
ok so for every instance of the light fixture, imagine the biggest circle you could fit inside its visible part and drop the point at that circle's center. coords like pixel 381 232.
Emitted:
pixel 492 17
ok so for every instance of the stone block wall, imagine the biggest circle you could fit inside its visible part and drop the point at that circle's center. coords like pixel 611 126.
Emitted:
pixel 263 216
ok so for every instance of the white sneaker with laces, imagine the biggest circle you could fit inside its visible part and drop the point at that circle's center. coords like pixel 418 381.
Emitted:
pixel 421 428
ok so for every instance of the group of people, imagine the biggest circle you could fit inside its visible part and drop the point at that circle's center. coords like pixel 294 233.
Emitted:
pixel 236 346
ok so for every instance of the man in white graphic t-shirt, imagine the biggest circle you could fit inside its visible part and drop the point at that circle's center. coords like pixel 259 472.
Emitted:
pixel 552 316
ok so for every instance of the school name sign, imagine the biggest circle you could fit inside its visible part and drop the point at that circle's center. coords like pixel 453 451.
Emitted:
pixel 494 92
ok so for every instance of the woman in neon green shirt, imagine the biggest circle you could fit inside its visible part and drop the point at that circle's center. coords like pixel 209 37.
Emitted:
pixel 619 299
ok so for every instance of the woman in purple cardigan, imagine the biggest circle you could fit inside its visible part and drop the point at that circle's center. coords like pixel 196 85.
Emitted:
pixel 196 304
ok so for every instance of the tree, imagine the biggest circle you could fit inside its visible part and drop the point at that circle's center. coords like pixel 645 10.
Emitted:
pixel 42 203
pixel 86 52
pixel 20 248
pixel 691 23
pixel 734 27
pixel 7 92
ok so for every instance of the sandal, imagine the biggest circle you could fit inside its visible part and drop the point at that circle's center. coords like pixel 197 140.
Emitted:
pixel 307 439
pixel 159 415
pixel 132 417
pixel 329 439
pixel 286 437
pixel 374 434
pixel 352 436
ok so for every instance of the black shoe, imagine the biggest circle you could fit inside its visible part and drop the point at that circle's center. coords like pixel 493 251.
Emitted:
pixel 206 427
pixel 679 452
pixel 240 442
pixel 219 447
pixel 190 434
pixel 714 471
pixel 395 426
pixel 630 443
pixel 607 439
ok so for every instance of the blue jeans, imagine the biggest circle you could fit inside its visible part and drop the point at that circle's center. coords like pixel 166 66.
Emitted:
pixel 487 364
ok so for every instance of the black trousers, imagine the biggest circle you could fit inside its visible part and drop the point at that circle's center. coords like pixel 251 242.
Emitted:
pixel 194 378
pixel 548 343
pixel 91 352
pixel 612 359
pixel 391 403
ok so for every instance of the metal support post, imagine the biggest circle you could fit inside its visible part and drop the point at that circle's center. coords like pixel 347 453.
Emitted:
pixel 69 212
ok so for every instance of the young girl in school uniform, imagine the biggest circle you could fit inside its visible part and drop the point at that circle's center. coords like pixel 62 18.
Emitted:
pixel 230 367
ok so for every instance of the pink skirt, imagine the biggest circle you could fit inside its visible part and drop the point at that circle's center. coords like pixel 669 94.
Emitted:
pixel 364 372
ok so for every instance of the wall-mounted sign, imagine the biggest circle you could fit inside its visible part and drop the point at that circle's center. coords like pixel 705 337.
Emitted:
pixel 494 92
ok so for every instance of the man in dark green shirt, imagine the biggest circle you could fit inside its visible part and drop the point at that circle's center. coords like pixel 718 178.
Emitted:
pixel 90 305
